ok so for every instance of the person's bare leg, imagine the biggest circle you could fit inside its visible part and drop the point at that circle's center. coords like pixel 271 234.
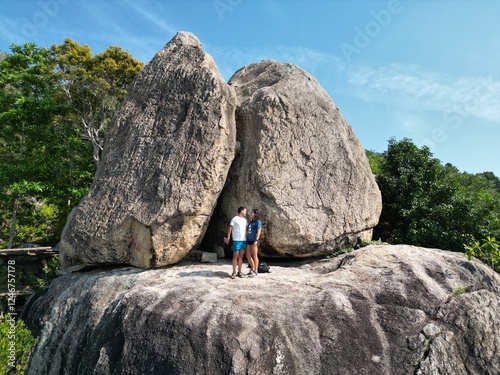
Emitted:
pixel 235 260
pixel 240 260
pixel 249 256
pixel 255 258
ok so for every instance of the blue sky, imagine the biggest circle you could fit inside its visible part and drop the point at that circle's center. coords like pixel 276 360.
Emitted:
pixel 425 70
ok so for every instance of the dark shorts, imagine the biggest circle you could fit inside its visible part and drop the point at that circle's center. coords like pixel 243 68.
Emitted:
pixel 252 242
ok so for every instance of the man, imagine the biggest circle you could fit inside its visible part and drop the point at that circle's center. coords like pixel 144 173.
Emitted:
pixel 238 228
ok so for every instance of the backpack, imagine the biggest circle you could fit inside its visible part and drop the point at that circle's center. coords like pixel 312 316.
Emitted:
pixel 263 268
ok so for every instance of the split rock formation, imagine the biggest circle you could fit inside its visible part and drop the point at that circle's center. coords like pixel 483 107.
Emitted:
pixel 163 167
pixel 170 152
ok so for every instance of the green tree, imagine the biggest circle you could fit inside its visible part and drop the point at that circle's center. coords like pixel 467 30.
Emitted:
pixel 407 181
pixel 95 86
pixel 488 251
pixel 44 161
pixel 28 101
pixel 376 161
pixel 55 108
pixel 428 204
pixel 493 180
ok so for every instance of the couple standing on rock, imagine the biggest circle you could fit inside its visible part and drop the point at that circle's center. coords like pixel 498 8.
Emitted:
pixel 245 237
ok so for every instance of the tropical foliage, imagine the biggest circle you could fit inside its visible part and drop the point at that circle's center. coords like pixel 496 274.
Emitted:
pixel 56 105
pixel 488 251
pixel 429 204
pixel 16 343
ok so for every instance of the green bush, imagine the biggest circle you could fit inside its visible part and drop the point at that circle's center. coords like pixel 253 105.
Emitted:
pixel 50 267
pixel 16 343
pixel 27 279
pixel 425 203
pixel 488 252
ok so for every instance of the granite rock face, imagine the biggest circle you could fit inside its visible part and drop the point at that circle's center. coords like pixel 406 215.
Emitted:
pixel 170 153
pixel 300 163
pixel 163 167
pixel 378 310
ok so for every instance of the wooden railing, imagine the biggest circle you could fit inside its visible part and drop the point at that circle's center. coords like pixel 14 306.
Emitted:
pixel 27 251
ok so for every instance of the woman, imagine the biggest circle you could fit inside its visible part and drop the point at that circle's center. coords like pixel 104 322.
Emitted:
pixel 253 236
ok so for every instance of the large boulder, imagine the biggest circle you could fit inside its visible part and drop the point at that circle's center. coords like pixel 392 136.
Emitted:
pixel 300 163
pixel 378 310
pixel 163 167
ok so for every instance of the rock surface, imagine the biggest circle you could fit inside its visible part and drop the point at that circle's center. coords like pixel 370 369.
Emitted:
pixel 163 167
pixel 300 163
pixel 378 310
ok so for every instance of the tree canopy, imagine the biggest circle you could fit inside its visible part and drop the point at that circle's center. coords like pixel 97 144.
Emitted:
pixel 56 105
pixel 94 86
pixel 428 204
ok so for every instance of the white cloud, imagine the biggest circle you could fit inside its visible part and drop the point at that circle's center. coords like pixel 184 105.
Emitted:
pixel 231 59
pixel 410 87
pixel 403 87
pixel 152 17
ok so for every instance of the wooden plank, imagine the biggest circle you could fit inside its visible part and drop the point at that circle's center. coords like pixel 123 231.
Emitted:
pixel 28 248
pixel 34 251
